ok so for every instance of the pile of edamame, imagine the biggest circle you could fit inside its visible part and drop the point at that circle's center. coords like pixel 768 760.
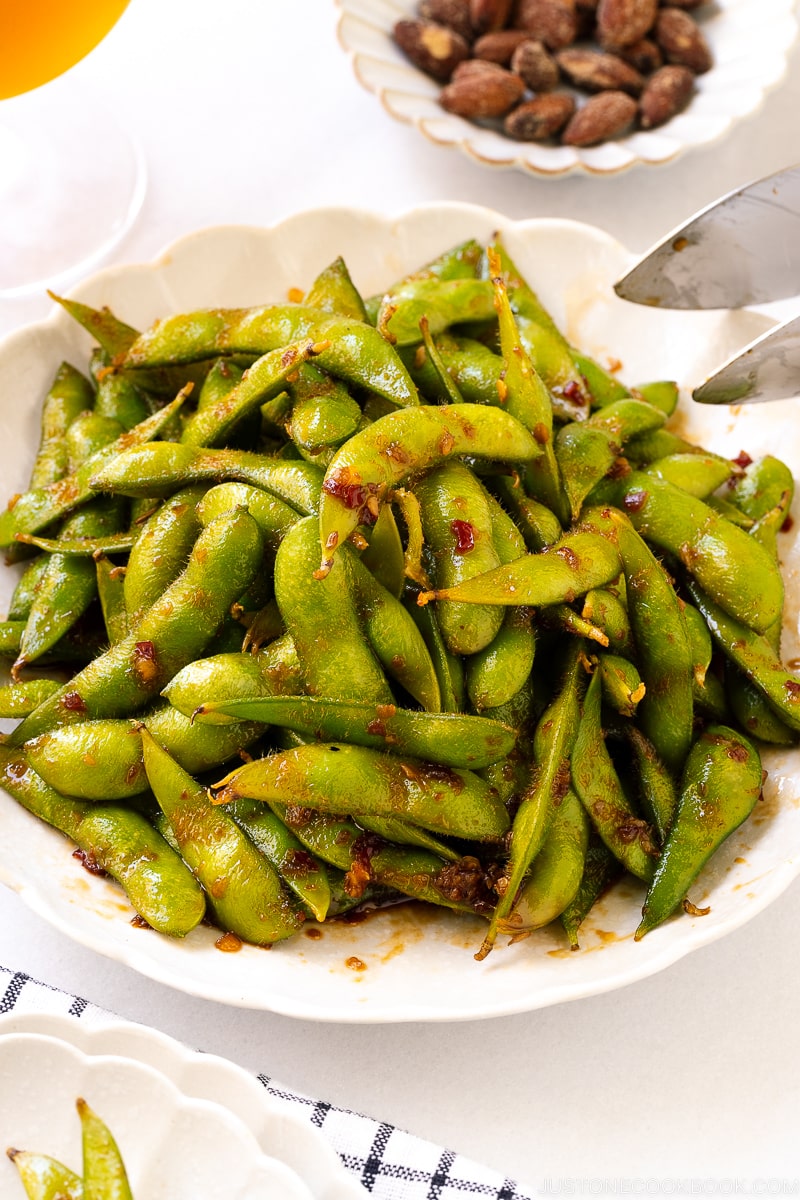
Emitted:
pixel 391 597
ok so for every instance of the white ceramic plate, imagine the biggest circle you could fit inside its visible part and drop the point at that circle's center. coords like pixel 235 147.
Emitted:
pixel 402 965
pixel 174 1147
pixel 749 39
pixel 303 1158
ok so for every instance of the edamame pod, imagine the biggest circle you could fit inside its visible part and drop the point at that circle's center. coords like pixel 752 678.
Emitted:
pixel 343 779
pixel 243 890
pixel 104 1174
pixel 172 633
pixel 406 443
pixel 720 787
pixel 43 1178
pixel 69 395
pixel 446 738
pixel 116 840
pixel 556 871
pixel 302 874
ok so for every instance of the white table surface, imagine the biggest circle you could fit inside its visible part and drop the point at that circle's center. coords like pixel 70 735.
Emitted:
pixel 247 112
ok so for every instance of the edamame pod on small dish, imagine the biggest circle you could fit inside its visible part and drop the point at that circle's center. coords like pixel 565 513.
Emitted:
pixel 44 1178
pixel 104 1174
pixel 69 395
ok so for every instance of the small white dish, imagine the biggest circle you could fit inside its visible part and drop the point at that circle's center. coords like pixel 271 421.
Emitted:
pixel 405 964
pixel 174 1147
pixel 281 1135
pixel 749 39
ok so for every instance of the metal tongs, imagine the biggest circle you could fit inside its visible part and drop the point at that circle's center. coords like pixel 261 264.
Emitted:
pixel 742 249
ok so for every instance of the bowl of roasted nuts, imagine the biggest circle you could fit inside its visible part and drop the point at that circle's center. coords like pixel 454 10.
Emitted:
pixel 553 86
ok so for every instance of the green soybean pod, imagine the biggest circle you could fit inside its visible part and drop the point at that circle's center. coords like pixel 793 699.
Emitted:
pixel 69 395
pixel 104 1174
pixel 447 738
pixel 231 676
pixel 117 840
pixel 457 524
pixel 244 891
pixel 604 608
pixel 697 474
pixel 172 633
pixel 27 586
pixel 161 551
pixel 556 871
pixel 555 734
pixel 656 784
pixel 223 376
pixel 19 699
pixel 720 787
pixel 111 593
pixel 448 667
pixel 601 870
pixel 302 874
pixel 321 618
pixel 600 791
pixel 383 555
pixel 273 517
pixel 405 443
pixel 345 780
pixel 333 291
pixel 622 685
pixel 394 830
pixel 44 1178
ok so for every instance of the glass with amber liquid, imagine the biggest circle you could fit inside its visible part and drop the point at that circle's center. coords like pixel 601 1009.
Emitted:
pixel 71 182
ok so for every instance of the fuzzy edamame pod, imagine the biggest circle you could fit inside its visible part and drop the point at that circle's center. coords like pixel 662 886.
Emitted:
pixel 604 608
pixel 622 685
pixel 600 791
pixel 394 636
pixel 444 302
pixel 448 668
pixel 578 562
pixel 446 738
pixel 233 676
pixel 344 779
pixel 243 890
pixel 19 699
pixel 383 555
pixel 41 506
pixel 586 450
pixel 457 527
pixel 730 566
pixel 406 443
pixel 117 840
pixel 321 619
pixel 663 650
pixel 549 782
pixel 171 634
pixel 656 784
pixel 27 586
pixel 333 291
pixel 698 474
pixel 104 1174
pixel 556 872
pixel 211 424
pixel 721 785
pixel 301 873
pixel 161 551
pixel 755 657
pixel 601 870
pixel 69 395
pixel 357 352
pixel 44 1178
pixel 163 468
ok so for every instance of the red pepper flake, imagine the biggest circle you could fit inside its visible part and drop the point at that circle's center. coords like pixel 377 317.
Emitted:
pixel 635 499
pixel 572 391
pixel 464 533
pixel 787 524
pixel 73 702
pixel 145 663
pixel 377 728
pixel 89 863
pixel 138 922
pixel 793 688
pixel 353 493
pixel 742 459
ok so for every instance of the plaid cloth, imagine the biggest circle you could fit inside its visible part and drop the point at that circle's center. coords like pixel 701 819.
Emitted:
pixel 388 1162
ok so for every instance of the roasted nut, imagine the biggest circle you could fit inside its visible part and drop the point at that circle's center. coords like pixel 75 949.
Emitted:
pixel 664 95
pixel 644 55
pixel 554 22
pixel 498 47
pixel 623 22
pixel 602 117
pixel 597 72
pixel 681 40
pixel 535 66
pixel 487 15
pixel 435 49
pixel 474 66
pixel 452 13
pixel 541 118
pixel 488 92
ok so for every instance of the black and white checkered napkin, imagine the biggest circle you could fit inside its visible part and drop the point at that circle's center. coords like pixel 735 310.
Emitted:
pixel 388 1162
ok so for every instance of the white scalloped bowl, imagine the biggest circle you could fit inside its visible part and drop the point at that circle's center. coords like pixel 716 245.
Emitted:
pixel 406 964
pixel 749 39
pixel 174 1147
